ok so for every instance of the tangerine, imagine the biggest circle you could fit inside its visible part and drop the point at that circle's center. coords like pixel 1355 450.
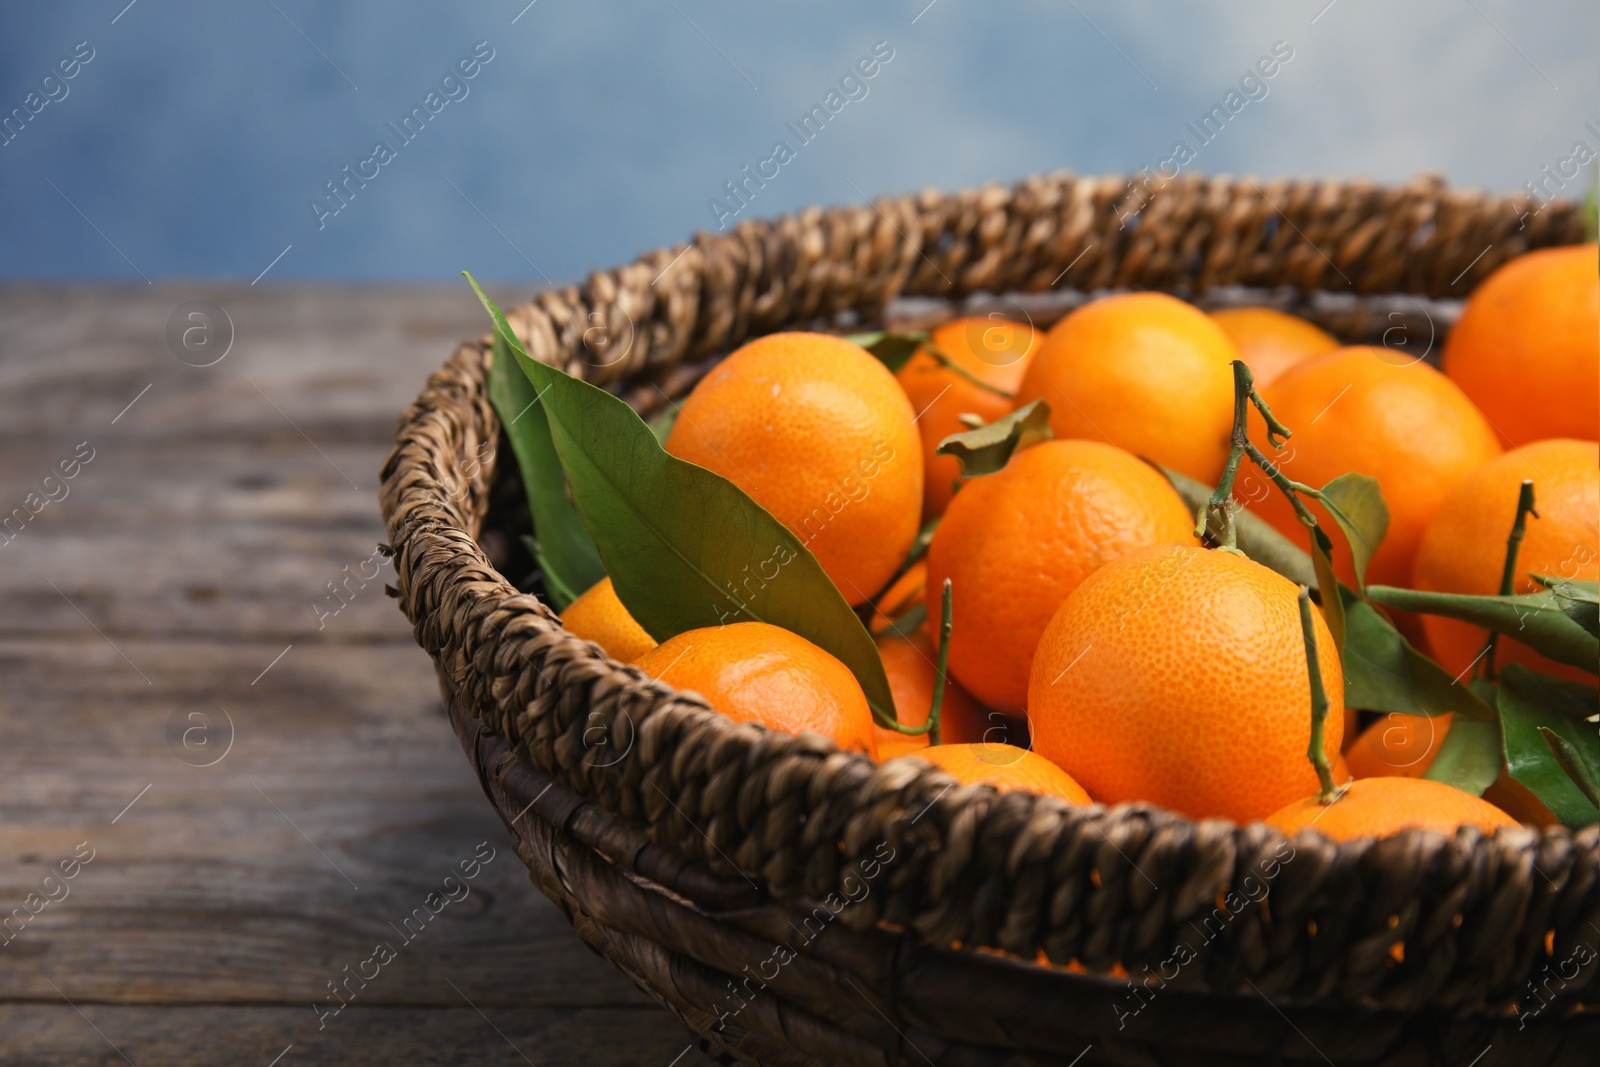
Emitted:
pixel 1145 372
pixel 1381 807
pixel 1527 346
pixel 818 432
pixel 1177 676
pixel 1398 746
pixel 989 356
pixel 1367 410
pixel 911 664
pixel 757 672
pixel 599 616
pixel 1463 550
pixel 1015 543
pixel 1271 341
pixel 1006 767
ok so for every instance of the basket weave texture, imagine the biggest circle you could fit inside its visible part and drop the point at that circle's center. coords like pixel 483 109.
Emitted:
pixel 799 905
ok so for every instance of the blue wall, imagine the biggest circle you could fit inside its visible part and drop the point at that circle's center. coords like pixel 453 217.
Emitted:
pixel 199 134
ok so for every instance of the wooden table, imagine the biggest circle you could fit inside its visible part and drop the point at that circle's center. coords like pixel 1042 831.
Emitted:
pixel 267 788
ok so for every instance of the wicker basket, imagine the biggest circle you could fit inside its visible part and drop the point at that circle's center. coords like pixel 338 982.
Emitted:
pixel 797 905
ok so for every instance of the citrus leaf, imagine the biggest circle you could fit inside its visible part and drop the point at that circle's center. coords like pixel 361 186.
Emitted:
pixel 560 594
pixel 1573 762
pixel 1383 672
pixel 989 448
pixel 1332 605
pixel 685 547
pixel 892 348
pixel 662 424
pixel 1356 504
pixel 1530 703
pixel 1535 619
pixel 1256 537
pixel 1580 600
pixel 908 623
pixel 566 555
pixel 1470 756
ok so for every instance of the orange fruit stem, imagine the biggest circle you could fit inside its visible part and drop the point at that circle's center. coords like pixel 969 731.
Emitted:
pixel 1508 574
pixel 931 727
pixel 1319 705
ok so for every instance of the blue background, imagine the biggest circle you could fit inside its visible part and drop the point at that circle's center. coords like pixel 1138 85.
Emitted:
pixel 197 137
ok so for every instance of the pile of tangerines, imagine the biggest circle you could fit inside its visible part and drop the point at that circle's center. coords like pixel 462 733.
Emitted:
pixel 1099 650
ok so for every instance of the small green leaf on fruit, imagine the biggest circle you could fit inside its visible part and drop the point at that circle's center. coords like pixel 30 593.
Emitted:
pixel 1470 756
pixel 566 555
pixel 662 424
pixel 989 448
pixel 893 348
pixel 1356 504
pixel 1535 619
pixel 1383 672
pixel 1332 603
pixel 1580 600
pixel 1531 703
pixel 1572 761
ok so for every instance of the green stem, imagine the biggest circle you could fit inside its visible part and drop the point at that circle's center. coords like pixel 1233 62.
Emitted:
pixel 950 364
pixel 1220 505
pixel 1319 705
pixel 931 727
pixel 1508 572
pixel 919 548
pixel 946 619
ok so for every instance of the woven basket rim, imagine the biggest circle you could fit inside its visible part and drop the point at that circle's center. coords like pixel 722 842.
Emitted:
pixel 1018 873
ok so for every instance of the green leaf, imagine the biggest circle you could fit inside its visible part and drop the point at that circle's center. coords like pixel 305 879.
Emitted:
pixel 1332 605
pixel 1470 756
pixel 1383 672
pixel 893 348
pixel 1356 504
pixel 1535 619
pixel 989 448
pixel 560 594
pixel 908 623
pixel 1579 769
pixel 1531 703
pixel 566 555
pixel 1257 538
pixel 1580 600
pixel 685 547
pixel 662 424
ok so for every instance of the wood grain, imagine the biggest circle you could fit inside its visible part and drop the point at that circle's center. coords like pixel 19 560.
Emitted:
pixel 178 574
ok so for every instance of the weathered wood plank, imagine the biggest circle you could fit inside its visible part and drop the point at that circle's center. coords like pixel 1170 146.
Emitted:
pixel 340 361
pixel 343 803
pixel 54 1035
pixel 229 538
pixel 178 575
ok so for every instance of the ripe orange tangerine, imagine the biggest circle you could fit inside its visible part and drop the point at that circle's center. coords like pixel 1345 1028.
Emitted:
pixel 1005 767
pixel 1382 807
pixel 1016 543
pixel 757 672
pixel 1370 411
pixel 1177 676
pixel 1527 346
pixel 912 666
pixel 1463 550
pixel 1271 341
pixel 1142 371
pixel 599 616
pixel 1398 746
pixel 991 349
pixel 818 432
